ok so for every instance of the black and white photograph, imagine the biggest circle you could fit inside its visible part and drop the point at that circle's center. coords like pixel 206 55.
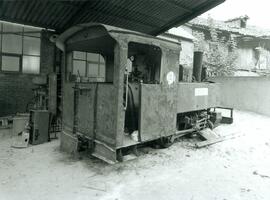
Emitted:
pixel 134 100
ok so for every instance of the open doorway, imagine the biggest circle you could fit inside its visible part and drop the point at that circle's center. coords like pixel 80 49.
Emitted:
pixel 144 62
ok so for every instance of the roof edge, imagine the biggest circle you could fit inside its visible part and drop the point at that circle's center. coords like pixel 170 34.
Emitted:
pixel 183 19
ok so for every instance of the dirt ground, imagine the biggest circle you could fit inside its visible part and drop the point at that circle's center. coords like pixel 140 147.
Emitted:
pixel 231 170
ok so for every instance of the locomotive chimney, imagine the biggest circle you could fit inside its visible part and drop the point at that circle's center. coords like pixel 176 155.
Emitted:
pixel 197 65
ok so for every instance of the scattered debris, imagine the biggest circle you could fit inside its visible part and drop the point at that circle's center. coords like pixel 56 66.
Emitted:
pixel 93 188
pixel 216 140
pixel 208 134
pixel 4 182
pixel 245 190
pixel 6 122
pixel 261 175
pixel 99 186
pixel 22 140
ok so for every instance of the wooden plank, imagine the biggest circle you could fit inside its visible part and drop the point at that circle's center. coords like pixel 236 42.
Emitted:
pixel 86 110
pixel 208 134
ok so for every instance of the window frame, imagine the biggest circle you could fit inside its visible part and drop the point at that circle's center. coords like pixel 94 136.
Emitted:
pixel 25 54
pixel 22 65
pixel 22 54
pixel 89 62
pixel 11 55
pixel 147 45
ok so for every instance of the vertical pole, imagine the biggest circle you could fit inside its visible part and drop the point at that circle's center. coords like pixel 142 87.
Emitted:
pixel 76 101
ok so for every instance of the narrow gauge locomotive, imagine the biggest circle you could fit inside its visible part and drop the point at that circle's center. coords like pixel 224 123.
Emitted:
pixel 121 88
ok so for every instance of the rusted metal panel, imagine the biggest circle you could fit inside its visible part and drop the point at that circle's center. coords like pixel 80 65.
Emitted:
pixel 158 111
pixel 96 111
pixel 86 107
pixel 68 106
pixel 196 96
pixel 120 63
pixel 104 152
pixel 52 93
pixel 106 114
pixel 169 65
pixel 68 142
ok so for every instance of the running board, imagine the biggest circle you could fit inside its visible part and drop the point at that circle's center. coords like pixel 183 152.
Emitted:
pixel 104 152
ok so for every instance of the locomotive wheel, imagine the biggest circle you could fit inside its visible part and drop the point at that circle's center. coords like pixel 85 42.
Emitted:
pixel 166 142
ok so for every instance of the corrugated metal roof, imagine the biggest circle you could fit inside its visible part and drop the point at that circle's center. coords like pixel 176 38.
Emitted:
pixel 147 16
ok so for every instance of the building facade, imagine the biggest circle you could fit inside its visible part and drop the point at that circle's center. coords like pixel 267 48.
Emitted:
pixel 26 52
pixel 253 43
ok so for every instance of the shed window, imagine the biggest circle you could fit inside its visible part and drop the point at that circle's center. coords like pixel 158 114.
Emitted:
pixel 90 65
pixel 11 63
pixel 30 64
pixel 12 43
pixel 19 48
pixel 31 46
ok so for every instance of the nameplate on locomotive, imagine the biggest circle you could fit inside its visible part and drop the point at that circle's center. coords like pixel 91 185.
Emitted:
pixel 201 91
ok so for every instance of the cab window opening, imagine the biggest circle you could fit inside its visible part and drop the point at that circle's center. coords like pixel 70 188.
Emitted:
pixel 144 62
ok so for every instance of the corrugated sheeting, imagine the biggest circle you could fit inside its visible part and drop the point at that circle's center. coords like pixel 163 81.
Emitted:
pixel 147 16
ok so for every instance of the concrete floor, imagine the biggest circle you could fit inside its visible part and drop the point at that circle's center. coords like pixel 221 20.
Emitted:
pixel 231 170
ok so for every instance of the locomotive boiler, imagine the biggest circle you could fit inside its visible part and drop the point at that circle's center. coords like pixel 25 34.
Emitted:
pixel 121 88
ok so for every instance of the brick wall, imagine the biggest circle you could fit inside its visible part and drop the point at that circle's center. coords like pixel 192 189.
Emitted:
pixel 16 89
pixel 47 52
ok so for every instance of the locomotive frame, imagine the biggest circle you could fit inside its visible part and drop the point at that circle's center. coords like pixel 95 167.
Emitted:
pixel 99 114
